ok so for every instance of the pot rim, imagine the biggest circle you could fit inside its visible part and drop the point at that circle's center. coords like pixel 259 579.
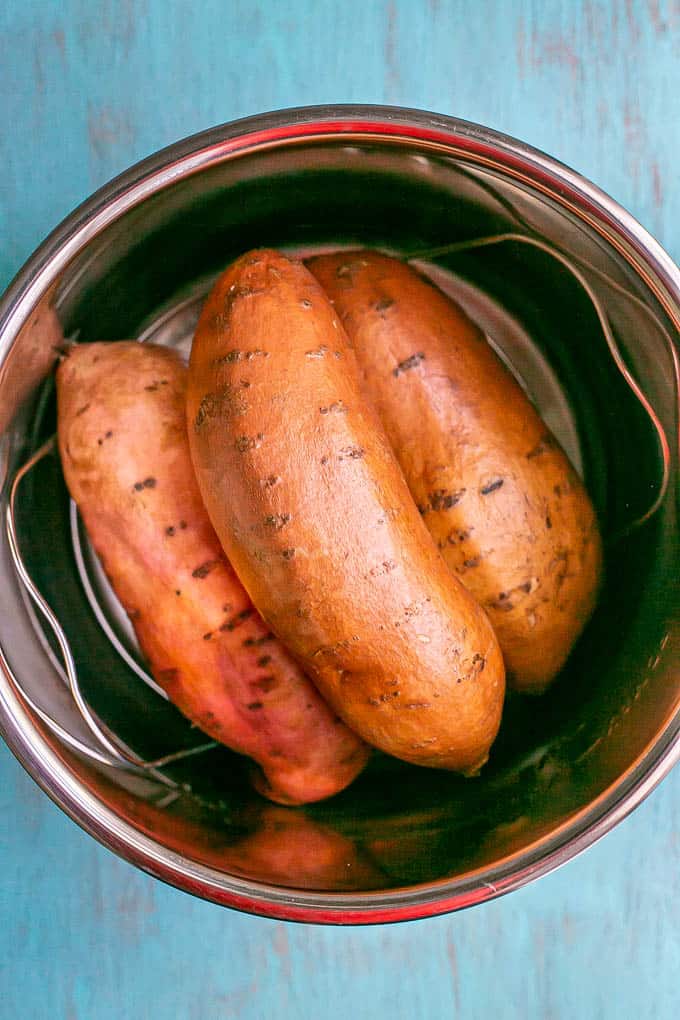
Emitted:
pixel 478 145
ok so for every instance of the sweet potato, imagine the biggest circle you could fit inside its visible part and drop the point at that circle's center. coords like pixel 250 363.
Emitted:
pixel 497 493
pixel 313 512
pixel 125 456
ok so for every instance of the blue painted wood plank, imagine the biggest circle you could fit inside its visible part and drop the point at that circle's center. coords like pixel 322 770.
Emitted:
pixel 86 89
pixel 87 937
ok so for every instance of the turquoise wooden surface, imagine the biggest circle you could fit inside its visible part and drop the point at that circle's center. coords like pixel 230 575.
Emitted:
pixel 86 89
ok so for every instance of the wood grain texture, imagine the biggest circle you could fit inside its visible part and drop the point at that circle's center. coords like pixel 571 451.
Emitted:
pixel 86 89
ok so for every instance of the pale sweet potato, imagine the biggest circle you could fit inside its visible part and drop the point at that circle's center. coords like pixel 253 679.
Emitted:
pixel 125 456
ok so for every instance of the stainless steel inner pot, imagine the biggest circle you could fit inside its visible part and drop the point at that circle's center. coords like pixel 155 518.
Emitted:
pixel 134 261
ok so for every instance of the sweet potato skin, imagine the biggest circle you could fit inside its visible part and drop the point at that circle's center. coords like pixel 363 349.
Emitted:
pixel 125 456
pixel 308 500
pixel 497 493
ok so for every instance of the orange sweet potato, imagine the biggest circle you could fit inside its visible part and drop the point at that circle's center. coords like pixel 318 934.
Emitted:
pixel 497 493
pixel 125 456
pixel 310 505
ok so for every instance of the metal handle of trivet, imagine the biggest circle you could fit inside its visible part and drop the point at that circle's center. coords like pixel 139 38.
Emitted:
pixel 115 753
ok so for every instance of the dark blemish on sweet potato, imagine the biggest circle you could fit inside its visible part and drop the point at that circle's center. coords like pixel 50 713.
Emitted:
pixel 457 536
pixel 148 483
pixel 183 525
pixel 206 409
pixel 417 704
pixel 491 487
pixel 561 562
pixel 288 554
pixel 382 568
pixel 264 660
pixel 228 401
pixel 443 500
pixel 337 407
pixel 178 591
pixel 413 609
pixel 269 481
pixel 238 291
pixel 338 354
pixel 276 521
pixel 257 353
pixel 302 612
pixel 245 443
pixel 82 410
pixel 557 489
pixel 351 453
pixel 408 363
pixel 317 352
pixel 229 357
pixel 254 706
pixel 207 636
pixel 238 620
pixel 474 561
pixel 548 522
pixel 383 303
pixel 545 443
pixel 383 699
pixel 170 531
pixel 227 607
pixel 478 662
pixel 204 569
pixel 324 460
pixel 350 268
pixel 440 499
pixel 305 303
